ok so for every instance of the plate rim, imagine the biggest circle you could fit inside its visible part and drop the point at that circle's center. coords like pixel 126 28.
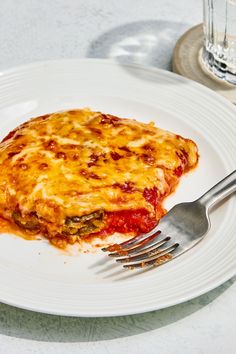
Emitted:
pixel 121 313
pixel 110 61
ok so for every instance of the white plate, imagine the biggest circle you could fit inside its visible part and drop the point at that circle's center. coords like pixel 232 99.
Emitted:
pixel 35 275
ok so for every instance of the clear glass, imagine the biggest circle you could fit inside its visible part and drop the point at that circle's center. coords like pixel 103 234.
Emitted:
pixel 219 51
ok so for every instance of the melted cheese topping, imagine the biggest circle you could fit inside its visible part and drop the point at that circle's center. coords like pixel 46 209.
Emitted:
pixel 75 162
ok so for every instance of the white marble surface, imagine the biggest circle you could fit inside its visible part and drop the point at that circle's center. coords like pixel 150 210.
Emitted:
pixel 128 30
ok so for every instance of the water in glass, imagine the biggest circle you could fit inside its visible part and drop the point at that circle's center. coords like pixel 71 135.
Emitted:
pixel 219 52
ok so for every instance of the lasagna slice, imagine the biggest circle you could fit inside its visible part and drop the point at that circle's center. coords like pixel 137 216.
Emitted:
pixel 78 174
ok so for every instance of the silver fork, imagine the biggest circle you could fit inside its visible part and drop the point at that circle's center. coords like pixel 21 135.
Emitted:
pixel 179 230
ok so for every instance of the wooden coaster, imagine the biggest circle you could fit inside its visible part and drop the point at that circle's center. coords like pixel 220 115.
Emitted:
pixel 187 61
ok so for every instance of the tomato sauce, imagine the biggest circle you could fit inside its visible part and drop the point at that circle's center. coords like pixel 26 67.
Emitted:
pixel 151 196
pixel 128 221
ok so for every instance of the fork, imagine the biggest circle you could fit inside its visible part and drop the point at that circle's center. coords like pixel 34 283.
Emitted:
pixel 178 231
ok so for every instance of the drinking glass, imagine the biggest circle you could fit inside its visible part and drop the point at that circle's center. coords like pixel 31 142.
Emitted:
pixel 219 51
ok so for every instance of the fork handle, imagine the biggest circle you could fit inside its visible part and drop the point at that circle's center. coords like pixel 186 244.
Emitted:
pixel 220 191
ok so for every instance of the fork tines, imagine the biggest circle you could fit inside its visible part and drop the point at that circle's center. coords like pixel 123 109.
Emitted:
pixel 140 252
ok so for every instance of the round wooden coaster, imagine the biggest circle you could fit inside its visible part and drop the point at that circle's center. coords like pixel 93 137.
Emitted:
pixel 187 61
